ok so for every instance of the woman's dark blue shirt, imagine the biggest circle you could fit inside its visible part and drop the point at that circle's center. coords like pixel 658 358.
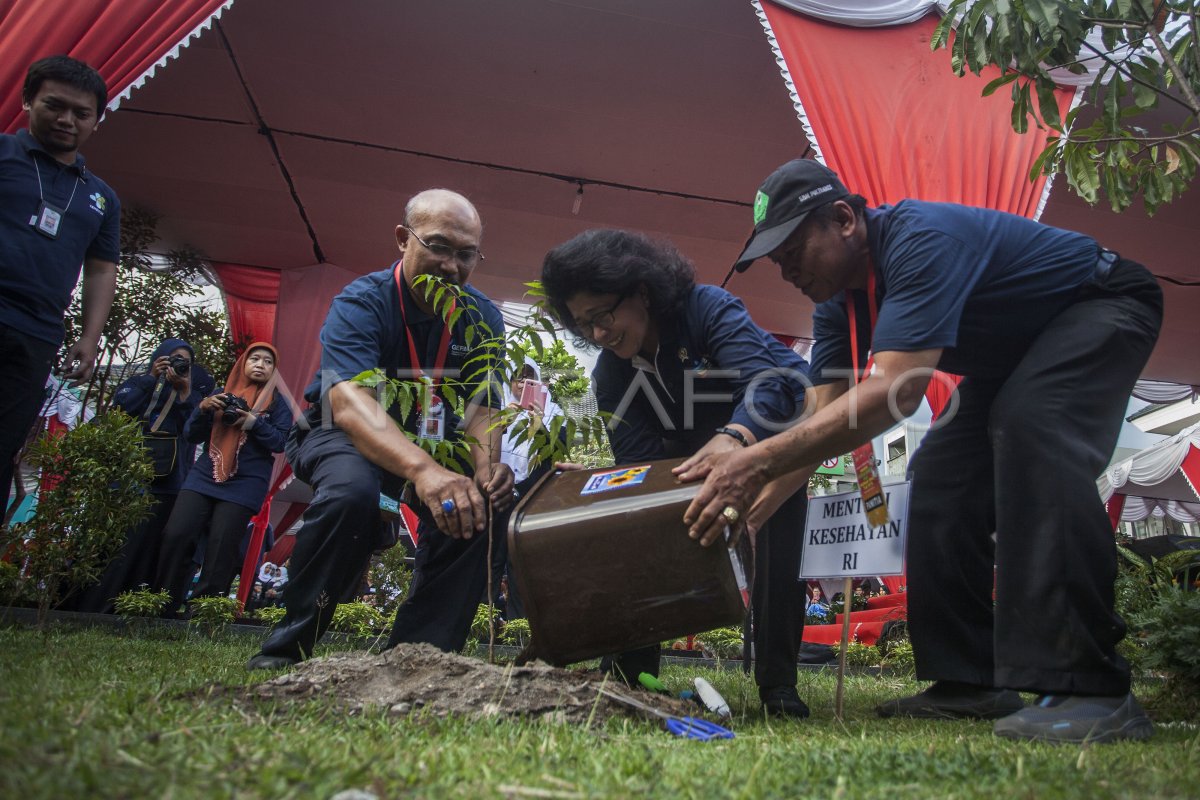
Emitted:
pixel 715 366
pixel 248 486
pixel 134 396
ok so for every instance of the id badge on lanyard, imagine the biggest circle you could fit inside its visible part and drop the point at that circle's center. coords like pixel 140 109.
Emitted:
pixel 431 424
pixel 47 220
pixel 869 485
pixel 431 421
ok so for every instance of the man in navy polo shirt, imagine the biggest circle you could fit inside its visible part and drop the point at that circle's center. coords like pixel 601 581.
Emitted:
pixel 1050 331
pixel 55 217
pixel 348 450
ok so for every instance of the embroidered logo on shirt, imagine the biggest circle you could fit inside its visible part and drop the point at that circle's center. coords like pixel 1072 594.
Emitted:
pixel 99 202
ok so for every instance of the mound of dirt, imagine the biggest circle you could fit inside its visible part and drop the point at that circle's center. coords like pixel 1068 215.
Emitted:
pixel 415 677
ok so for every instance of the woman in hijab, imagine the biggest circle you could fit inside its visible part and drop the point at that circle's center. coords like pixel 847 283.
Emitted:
pixel 165 391
pixel 228 482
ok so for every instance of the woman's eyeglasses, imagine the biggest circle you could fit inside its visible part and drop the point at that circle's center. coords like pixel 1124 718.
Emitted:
pixel 603 319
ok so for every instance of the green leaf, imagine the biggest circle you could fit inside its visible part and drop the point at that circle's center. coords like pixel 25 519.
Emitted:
pixel 1003 80
pixel 1045 14
pixel 370 378
pixel 1048 105
pixel 405 398
pixel 1020 109
pixel 1047 155
pixel 387 393
pixel 1082 174
pixel 1143 96
pixel 941 33
pixel 957 54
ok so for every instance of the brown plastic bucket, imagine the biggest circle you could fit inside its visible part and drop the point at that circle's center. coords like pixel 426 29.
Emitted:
pixel 603 563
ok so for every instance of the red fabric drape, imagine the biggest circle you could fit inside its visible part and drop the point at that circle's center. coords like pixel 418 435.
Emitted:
pixel 254 550
pixel 784 339
pixel 894 122
pixel 411 521
pixel 941 388
pixel 1115 505
pixel 121 40
pixel 1191 469
pixel 251 295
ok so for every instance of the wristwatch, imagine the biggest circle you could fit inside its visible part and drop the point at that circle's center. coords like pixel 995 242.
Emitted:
pixel 735 433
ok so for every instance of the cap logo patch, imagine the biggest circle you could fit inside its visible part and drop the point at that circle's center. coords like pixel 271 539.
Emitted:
pixel 760 207
pixel 804 198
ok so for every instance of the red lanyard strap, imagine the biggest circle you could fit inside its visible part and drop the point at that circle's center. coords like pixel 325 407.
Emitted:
pixel 850 314
pixel 443 346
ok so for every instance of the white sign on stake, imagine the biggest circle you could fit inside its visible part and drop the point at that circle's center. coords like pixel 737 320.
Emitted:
pixel 839 543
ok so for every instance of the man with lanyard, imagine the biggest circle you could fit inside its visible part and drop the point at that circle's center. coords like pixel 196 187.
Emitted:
pixel 55 216
pixel 1050 331
pixel 347 449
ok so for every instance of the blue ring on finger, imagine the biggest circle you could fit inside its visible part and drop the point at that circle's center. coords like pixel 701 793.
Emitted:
pixel 447 505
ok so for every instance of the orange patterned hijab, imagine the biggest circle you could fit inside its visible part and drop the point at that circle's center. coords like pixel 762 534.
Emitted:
pixel 226 441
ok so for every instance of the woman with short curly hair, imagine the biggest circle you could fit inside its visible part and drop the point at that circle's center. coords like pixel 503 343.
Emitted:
pixel 665 341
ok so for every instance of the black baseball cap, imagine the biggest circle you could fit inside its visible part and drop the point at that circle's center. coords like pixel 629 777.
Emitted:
pixel 784 201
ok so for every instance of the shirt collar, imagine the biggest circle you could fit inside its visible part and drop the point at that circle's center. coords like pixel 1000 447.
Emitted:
pixel 644 364
pixel 32 145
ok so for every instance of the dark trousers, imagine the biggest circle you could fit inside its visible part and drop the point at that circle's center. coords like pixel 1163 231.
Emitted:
pixel 1021 457
pixel 222 525
pixel 135 563
pixel 449 578
pixel 777 602
pixel 334 544
pixel 25 362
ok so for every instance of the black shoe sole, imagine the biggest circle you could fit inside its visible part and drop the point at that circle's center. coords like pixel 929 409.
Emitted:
pixel 930 710
pixel 264 662
pixel 1133 730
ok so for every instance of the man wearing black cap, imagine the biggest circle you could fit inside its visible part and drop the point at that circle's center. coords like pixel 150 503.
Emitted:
pixel 1050 331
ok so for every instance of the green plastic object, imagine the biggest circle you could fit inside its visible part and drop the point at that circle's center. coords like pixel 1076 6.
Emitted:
pixel 652 683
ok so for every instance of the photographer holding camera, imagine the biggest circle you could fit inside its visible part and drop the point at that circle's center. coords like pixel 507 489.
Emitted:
pixel 163 399
pixel 243 424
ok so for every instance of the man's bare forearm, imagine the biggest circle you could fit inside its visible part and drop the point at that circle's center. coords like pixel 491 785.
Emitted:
pixel 99 288
pixel 375 434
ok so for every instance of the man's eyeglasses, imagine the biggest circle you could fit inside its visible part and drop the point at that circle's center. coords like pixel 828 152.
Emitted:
pixel 468 256
pixel 602 319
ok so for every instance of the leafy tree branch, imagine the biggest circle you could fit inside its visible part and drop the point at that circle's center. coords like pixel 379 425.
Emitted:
pixel 1149 53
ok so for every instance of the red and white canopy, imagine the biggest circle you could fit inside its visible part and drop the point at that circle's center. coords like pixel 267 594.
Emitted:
pixel 281 137
pixel 1160 480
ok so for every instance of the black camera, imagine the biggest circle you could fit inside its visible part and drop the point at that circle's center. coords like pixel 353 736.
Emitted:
pixel 181 364
pixel 233 404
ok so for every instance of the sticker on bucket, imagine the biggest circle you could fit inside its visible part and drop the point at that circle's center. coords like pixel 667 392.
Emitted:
pixel 615 479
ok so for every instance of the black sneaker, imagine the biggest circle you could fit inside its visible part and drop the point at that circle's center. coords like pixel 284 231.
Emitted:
pixel 783 701
pixel 264 661
pixel 952 700
pixel 1078 719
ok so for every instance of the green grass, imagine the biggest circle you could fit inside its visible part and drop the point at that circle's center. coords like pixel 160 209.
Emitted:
pixel 94 713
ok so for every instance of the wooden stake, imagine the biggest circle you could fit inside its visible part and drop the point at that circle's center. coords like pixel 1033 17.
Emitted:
pixel 847 590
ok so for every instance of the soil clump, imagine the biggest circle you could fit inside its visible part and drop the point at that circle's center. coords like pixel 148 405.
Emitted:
pixel 418 677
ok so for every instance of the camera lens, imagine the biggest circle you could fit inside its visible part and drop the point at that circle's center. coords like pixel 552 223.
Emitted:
pixel 233 404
